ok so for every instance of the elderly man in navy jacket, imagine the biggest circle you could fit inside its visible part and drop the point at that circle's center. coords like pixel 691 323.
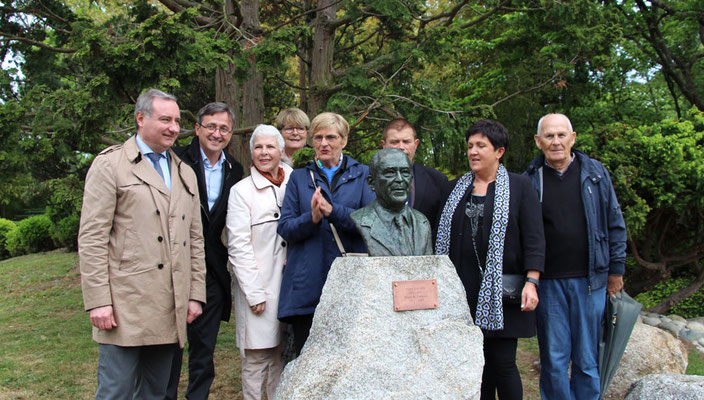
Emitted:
pixel 216 171
pixel 585 254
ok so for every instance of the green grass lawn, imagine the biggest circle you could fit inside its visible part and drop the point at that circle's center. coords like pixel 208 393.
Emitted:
pixel 46 348
pixel 47 351
pixel 696 362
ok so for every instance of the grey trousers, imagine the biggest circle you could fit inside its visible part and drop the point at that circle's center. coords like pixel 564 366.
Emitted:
pixel 128 373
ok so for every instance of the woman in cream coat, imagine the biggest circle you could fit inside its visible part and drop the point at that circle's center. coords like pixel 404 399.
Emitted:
pixel 256 259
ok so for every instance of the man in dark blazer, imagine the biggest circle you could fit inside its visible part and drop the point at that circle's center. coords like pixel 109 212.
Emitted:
pixel 216 171
pixel 428 184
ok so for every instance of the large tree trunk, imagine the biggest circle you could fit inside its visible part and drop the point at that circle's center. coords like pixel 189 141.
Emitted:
pixel 227 90
pixel 246 98
pixel 321 77
pixel 304 60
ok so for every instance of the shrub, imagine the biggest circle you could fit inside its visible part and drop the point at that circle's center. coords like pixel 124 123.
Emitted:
pixel 691 307
pixel 66 198
pixel 13 244
pixel 35 234
pixel 66 232
pixel 5 227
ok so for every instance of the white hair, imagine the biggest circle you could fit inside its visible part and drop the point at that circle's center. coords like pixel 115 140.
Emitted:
pixel 266 130
pixel 540 121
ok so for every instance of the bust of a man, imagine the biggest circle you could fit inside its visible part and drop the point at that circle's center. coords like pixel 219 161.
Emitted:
pixel 388 226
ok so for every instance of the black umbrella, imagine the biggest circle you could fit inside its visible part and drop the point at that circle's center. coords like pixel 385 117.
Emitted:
pixel 620 317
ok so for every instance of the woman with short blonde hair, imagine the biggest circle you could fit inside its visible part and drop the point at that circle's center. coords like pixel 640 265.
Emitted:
pixel 318 196
pixel 293 124
pixel 330 120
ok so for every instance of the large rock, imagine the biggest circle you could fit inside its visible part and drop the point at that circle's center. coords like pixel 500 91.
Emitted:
pixel 667 387
pixel 649 351
pixel 360 348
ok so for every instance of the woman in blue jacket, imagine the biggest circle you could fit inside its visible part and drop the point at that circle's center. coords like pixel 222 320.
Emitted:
pixel 321 194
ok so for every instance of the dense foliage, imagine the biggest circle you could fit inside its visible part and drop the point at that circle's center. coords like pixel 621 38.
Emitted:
pixel 690 307
pixel 629 74
pixel 658 173
pixel 5 227
pixel 31 235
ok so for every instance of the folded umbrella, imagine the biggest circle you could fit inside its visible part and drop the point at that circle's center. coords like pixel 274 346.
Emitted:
pixel 620 317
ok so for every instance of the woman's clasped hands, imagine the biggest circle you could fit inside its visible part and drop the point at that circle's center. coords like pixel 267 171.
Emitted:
pixel 319 206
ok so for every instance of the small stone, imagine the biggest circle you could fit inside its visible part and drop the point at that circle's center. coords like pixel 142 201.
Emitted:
pixel 676 317
pixel 667 386
pixel 681 324
pixel 695 326
pixel 651 321
pixel 701 342
pixel 671 327
pixel 691 336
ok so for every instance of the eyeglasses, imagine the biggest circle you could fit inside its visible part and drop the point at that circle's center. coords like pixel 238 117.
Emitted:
pixel 289 129
pixel 224 129
pixel 328 138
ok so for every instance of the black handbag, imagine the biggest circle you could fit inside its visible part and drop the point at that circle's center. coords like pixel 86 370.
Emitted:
pixel 512 288
pixel 512 283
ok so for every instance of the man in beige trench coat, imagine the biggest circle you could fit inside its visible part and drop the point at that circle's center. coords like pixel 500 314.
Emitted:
pixel 141 253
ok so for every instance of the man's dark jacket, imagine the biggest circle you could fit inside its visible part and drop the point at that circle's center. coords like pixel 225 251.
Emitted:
pixel 606 229
pixel 430 186
pixel 214 220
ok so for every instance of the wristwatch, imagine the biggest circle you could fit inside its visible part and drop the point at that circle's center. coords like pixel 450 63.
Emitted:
pixel 533 281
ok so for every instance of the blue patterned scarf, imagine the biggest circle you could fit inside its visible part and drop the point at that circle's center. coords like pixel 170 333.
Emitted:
pixel 489 313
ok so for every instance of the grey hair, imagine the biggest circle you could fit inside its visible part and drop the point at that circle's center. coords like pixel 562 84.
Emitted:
pixel 376 159
pixel 540 121
pixel 144 102
pixel 266 130
pixel 214 108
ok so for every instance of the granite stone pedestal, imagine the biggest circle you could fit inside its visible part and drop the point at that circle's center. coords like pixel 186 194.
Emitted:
pixel 360 348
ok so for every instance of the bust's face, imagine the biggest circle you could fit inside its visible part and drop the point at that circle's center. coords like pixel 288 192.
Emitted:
pixel 392 180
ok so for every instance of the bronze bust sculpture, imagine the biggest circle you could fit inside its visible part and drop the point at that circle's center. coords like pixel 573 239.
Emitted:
pixel 388 226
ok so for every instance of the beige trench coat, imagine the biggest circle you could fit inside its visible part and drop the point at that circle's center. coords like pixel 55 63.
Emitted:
pixel 256 257
pixel 141 247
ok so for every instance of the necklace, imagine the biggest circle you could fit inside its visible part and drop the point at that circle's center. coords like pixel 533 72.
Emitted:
pixel 475 211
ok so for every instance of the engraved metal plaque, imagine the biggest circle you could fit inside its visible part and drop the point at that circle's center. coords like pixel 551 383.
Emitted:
pixel 415 295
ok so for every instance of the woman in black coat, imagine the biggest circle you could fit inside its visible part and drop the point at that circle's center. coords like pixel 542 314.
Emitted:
pixel 491 225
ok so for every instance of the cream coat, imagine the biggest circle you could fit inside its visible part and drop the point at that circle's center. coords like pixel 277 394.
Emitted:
pixel 256 257
pixel 141 247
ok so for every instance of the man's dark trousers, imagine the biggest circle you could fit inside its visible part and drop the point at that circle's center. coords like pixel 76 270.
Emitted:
pixel 203 332
pixel 202 336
